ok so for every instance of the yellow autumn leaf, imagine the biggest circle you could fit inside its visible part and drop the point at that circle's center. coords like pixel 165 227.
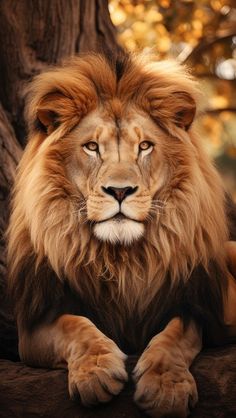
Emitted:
pixel 163 44
pixel 216 4
pixel 153 16
pixel 118 16
pixel 140 28
pixel 218 102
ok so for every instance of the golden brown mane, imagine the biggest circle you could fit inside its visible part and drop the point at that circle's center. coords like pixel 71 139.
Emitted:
pixel 191 228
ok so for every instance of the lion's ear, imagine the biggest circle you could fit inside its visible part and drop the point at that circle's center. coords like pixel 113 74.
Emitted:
pixel 184 109
pixel 52 110
pixel 47 119
pixel 178 108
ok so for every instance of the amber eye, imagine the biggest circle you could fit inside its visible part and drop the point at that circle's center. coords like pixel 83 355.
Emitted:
pixel 145 145
pixel 91 146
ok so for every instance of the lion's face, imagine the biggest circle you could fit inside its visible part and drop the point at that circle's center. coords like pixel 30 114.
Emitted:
pixel 118 167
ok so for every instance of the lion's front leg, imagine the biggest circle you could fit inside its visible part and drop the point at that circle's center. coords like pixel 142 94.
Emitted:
pixel 165 387
pixel 96 368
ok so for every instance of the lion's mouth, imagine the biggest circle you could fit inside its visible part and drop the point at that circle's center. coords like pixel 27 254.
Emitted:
pixel 119 217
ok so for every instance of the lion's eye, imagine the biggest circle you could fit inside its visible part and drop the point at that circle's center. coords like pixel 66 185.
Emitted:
pixel 145 145
pixel 91 146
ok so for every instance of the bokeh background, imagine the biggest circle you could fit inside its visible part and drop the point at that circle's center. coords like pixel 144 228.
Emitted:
pixel 202 34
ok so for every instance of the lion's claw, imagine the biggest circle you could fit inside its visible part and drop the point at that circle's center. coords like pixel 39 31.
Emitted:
pixel 165 393
pixel 98 377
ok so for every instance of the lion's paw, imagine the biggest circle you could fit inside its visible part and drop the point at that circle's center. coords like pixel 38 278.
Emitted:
pixel 97 375
pixel 164 391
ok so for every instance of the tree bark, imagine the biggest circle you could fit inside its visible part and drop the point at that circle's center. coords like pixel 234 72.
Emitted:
pixel 10 153
pixel 33 34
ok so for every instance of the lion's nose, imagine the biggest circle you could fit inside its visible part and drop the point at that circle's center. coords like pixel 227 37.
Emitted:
pixel 119 193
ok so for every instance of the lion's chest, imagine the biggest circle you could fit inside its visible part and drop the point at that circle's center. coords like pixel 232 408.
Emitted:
pixel 130 327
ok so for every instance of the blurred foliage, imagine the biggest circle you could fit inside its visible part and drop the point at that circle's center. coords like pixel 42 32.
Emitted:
pixel 202 34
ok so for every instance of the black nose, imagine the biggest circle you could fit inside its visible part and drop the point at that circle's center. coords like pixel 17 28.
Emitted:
pixel 119 193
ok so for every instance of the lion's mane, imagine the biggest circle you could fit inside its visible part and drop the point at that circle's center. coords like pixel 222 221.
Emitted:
pixel 51 251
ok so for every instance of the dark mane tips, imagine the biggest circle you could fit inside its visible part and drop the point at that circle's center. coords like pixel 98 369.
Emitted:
pixel 122 62
pixel 119 63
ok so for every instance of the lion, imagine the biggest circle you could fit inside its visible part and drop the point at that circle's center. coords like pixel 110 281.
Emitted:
pixel 119 238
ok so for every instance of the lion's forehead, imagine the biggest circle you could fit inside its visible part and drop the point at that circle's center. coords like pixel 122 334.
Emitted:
pixel 115 133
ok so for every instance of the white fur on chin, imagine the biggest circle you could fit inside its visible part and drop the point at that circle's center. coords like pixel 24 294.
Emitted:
pixel 123 232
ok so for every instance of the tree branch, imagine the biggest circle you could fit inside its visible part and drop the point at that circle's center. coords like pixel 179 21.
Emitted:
pixel 219 110
pixel 206 43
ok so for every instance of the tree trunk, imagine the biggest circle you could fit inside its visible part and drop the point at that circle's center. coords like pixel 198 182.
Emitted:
pixel 33 34
pixel 36 33
pixel 10 152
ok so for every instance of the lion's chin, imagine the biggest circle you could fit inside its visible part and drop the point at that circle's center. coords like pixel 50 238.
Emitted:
pixel 123 232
